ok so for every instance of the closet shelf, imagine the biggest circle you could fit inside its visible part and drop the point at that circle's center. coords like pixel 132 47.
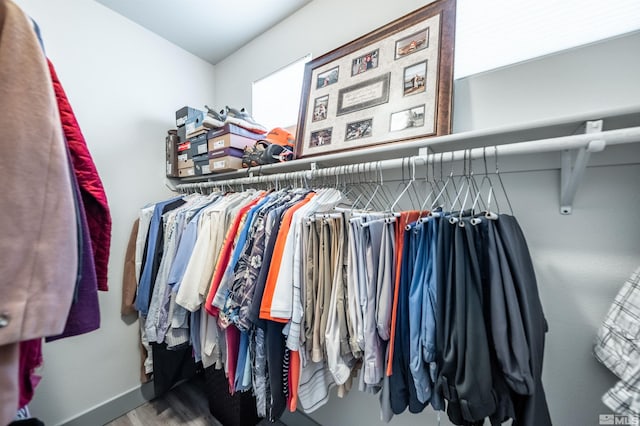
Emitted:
pixel 612 127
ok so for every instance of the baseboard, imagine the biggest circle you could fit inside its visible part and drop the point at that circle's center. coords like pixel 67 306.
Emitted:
pixel 113 408
pixel 132 399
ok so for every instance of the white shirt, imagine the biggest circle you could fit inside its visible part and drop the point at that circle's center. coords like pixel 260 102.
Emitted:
pixel 143 230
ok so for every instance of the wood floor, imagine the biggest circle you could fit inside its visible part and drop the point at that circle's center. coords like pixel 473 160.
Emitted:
pixel 184 405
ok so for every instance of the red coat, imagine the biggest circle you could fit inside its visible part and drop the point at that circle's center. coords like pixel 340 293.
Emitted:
pixel 93 195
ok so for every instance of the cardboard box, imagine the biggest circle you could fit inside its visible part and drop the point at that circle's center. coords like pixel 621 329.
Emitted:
pixel 236 130
pixel 199 145
pixel 182 134
pixel 234 152
pixel 189 171
pixel 200 131
pixel 171 150
pixel 230 140
pixel 185 160
pixel 183 114
pixel 202 165
pixel 225 164
pixel 184 146
pixel 194 122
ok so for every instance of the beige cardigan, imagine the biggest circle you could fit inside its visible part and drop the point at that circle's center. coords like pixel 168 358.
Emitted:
pixel 38 234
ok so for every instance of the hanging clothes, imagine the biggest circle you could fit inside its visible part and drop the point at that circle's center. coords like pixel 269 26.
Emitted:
pixel 296 293
pixel 84 315
pixel 94 198
pixel 39 245
pixel 129 280
pixel 615 348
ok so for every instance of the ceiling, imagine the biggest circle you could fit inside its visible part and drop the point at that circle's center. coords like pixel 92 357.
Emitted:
pixel 210 29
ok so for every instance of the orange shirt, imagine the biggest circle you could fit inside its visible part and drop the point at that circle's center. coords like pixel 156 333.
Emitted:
pixel 274 269
pixel 294 379
pixel 401 222
pixel 225 255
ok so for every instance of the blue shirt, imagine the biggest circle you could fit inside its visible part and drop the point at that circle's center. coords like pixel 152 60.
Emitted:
pixel 417 366
pixel 144 286
pixel 184 251
pixel 227 279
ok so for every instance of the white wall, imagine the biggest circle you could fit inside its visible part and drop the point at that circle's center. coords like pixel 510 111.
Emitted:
pixel 581 260
pixel 125 85
pixel 317 28
pixel 577 81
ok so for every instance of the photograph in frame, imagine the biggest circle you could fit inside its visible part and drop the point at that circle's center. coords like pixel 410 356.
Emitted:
pixel 359 129
pixel 408 118
pixel 412 44
pixel 365 62
pixel 391 85
pixel 320 108
pixel 414 80
pixel 328 78
pixel 321 137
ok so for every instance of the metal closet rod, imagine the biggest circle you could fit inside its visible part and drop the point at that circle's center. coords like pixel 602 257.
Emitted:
pixel 593 142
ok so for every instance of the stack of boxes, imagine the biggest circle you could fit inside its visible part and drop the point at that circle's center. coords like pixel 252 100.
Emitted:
pixel 226 146
pixel 187 119
pixel 201 151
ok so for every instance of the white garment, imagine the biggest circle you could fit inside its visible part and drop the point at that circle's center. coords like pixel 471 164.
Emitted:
pixel 338 365
pixel 211 232
pixel 315 382
pixel 212 340
pixel 146 214
pixel 324 201
pixel 354 307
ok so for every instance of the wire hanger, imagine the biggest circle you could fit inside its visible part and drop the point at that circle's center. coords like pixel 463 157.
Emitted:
pixel 453 219
pixel 504 191
pixel 443 190
pixel 478 198
pixel 430 159
pixel 410 160
pixel 470 185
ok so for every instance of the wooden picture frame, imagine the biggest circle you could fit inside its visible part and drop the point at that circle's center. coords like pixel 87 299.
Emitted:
pixel 390 85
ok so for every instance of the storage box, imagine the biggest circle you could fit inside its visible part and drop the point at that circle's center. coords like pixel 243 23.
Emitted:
pixel 183 114
pixel 230 140
pixel 194 121
pixel 233 152
pixel 184 146
pixel 198 145
pixel 182 134
pixel 201 165
pixel 200 131
pixel 171 149
pixel 187 171
pixel 185 160
pixel 225 164
pixel 236 130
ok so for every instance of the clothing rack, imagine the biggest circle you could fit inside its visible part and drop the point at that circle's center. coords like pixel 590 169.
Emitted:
pixel 594 140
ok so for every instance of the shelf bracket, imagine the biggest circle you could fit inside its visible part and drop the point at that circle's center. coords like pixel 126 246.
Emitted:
pixel 571 171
